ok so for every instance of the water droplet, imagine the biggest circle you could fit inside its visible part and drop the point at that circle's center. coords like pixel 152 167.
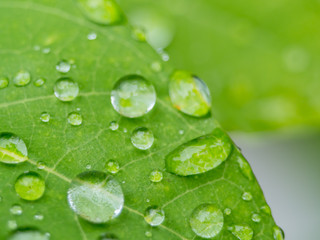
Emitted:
pixel 40 165
pixel 46 50
pixel 39 82
pixel 207 221
pixel 199 155
pixel 125 130
pixel 75 119
pixel 36 47
pixel 148 234
pixel 142 138
pixel 96 197
pixel 266 209
pixel 101 11
pixel 108 236
pixel 241 232
pixel 156 66
pixel 227 211
pixel 38 217
pixel 113 125
pixel 45 117
pixel 12 224
pixel 156 176
pixel 63 66
pixel 66 89
pixel 189 94
pixel 28 234
pixel 88 166
pixel 112 166
pixel 247 196
pixel 30 186
pixel 133 96
pixel 245 167
pixel 181 132
pixel 164 55
pixel 4 82
pixel 139 34
pixel 154 216
pixel 92 36
pixel 278 233
pixel 16 209
pixel 147 200
pixel 22 78
pixel 12 149
pixel 256 218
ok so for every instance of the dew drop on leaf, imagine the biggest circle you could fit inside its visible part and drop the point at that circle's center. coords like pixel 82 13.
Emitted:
pixel 133 96
pixel 142 138
pixel 207 221
pixel 246 196
pixel 28 234
pixel 12 224
pixel 40 165
pixel 112 166
pixel 139 34
pixel 156 66
pixel 4 82
pixel 108 236
pixel 74 118
pixel 148 234
pixel 39 82
pixel 105 12
pixel 96 197
pixel 256 218
pixel 189 94
pixel 12 149
pixel 266 209
pixel 46 50
pixel 227 211
pixel 38 217
pixel 16 209
pixel 241 232
pixel 244 167
pixel 65 89
pixel 113 125
pixel 22 78
pixel 63 66
pixel 154 216
pixel 88 166
pixel 278 233
pixel 45 117
pixel 92 36
pixel 30 186
pixel 199 155
pixel 156 176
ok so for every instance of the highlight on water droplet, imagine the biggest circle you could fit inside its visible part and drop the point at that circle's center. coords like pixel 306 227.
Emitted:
pixel 75 118
pixel 45 117
pixel 156 176
pixel 278 233
pixel 227 211
pixel 16 209
pixel 247 196
pixel 256 218
pixel 154 216
pixel 105 12
pixel 92 36
pixel 207 221
pixel 96 197
pixel 244 166
pixel 242 232
pixel 4 82
pixel 133 96
pixel 63 66
pixel 13 150
pixel 39 82
pixel 266 209
pixel 28 234
pixel 38 217
pixel 65 89
pixel 108 236
pixel 142 138
pixel 30 186
pixel 113 125
pixel 189 94
pixel 22 78
pixel 199 155
pixel 112 166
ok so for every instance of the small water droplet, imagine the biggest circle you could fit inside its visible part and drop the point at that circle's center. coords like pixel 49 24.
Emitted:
pixel 40 165
pixel 39 82
pixel 256 218
pixel 28 234
pixel 75 118
pixel 45 117
pixel 22 78
pixel 207 221
pixel 108 236
pixel 147 200
pixel 4 82
pixel 38 217
pixel 63 66
pixel 156 66
pixel 46 50
pixel 278 233
pixel 139 34
pixel 154 216
pixel 133 96
pixel 266 209
pixel 199 155
pixel 112 166
pixel 92 36
pixel 65 89
pixel 30 186
pixel 113 125
pixel 164 55
pixel 16 209
pixel 96 197
pixel 36 47
pixel 125 130
pixel 246 196
pixel 142 138
pixel 12 149
pixel 244 167
pixel 12 224
pixel 241 232
pixel 156 176
pixel 88 166
pixel 148 234
pixel 227 211
pixel 105 12
pixel 181 132
pixel 189 94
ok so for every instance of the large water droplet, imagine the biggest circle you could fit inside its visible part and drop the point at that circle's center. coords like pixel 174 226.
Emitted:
pixel 96 197
pixel 16 209
pixel 112 166
pixel 30 186
pixel 101 11
pixel 207 221
pixel 63 66
pixel 28 234
pixel 156 176
pixel 108 236
pixel 142 138
pixel 200 155
pixel 75 118
pixel 247 196
pixel 39 82
pixel 66 89
pixel 12 149
pixel 133 96
pixel 241 232
pixel 45 117
pixel 154 216
pixel 189 94
pixel 4 82
pixel 22 78
pixel 278 233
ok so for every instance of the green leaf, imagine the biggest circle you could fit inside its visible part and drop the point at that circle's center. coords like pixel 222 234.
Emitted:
pixel 36 36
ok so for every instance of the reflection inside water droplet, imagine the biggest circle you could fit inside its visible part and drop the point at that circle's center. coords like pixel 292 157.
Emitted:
pixel 75 118
pixel 63 66
pixel 30 186
pixel 12 149
pixel 65 89
pixel 142 138
pixel 22 78
pixel 112 166
pixel 156 176
pixel 154 216
pixel 242 232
